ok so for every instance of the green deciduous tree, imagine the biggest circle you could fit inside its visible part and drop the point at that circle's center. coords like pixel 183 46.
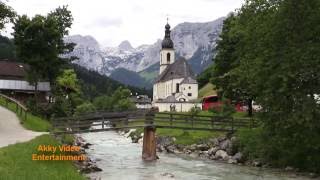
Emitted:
pixel 6 14
pixel 269 52
pixel 39 43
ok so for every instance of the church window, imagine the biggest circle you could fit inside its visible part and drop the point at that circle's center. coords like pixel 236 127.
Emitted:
pixel 168 57
pixel 189 94
pixel 177 87
pixel 189 87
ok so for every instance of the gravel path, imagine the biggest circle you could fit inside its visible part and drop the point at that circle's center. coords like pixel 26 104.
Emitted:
pixel 11 131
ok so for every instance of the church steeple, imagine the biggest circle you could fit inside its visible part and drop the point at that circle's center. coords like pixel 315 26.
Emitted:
pixel 167 55
pixel 167 42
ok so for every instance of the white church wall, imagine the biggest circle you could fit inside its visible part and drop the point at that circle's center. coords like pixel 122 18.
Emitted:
pixel 172 85
pixel 179 107
pixel 188 89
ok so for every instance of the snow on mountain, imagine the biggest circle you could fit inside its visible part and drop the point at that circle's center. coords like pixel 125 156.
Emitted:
pixel 194 41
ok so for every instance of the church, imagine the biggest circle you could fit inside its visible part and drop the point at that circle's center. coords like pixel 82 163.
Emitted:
pixel 175 88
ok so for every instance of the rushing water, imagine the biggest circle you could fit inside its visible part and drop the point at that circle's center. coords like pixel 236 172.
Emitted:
pixel 121 160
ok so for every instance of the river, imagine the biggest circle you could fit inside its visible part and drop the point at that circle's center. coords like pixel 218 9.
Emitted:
pixel 121 160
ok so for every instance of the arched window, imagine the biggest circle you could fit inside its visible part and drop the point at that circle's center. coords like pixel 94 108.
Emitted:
pixel 168 57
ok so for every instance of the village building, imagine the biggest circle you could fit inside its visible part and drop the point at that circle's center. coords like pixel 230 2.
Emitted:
pixel 142 101
pixel 175 88
pixel 13 82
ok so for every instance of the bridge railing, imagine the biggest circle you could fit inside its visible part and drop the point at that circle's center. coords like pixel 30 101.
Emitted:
pixel 19 108
pixel 98 121
pixel 202 122
pixel 103 121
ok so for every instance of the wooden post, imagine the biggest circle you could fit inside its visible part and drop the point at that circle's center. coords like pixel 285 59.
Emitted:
pixel 192 121
pixel 212 119
pixel 149 138
pixel 102 122
pixel 25 115
pixel 170 119
pixel 232 128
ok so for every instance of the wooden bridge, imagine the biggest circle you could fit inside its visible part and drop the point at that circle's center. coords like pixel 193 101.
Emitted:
pixel 150 121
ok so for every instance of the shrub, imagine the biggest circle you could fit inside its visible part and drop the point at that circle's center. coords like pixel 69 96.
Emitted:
pixel 84 108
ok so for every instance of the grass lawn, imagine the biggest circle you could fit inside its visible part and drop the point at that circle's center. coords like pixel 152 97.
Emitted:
pixel 16 163
pixel 186 137
pixel 32 122
pixel 207 90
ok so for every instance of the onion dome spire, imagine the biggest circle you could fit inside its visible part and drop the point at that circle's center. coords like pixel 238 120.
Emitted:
pixel 167 42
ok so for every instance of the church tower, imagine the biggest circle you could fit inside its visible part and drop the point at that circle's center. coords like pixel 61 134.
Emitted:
pixel 167 51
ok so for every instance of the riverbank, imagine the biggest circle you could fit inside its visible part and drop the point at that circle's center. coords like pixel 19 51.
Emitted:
pixel 16 162
pixel 223 148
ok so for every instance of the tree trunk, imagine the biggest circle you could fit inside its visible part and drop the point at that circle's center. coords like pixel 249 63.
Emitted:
pixel 250 109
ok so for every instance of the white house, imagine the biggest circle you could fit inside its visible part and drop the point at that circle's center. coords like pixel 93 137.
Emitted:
pixel 175 88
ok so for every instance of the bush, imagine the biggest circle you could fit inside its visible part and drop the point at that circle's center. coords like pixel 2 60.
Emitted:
pixel 103 103
pixel 194 110
pixel 84 108
pixel 124 104
pixel 250 143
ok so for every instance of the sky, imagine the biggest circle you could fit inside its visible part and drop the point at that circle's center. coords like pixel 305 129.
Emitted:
pixel 138 21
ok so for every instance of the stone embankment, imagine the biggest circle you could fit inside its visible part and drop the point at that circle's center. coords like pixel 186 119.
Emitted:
pixel 223 148
pixel 88 165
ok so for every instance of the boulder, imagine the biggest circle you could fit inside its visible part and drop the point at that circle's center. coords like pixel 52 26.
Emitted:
pixel 221 138
pixel 202 147
pixel 232 161
pixel 160 148
pixel 238 157
pixel 192 147
pixel 256 163
pixel 226 144
pixel 213 150
pixel 135 139
pixel 171 149
pixel 221 154
pixel 194 155
pixel 164 141
pixel 86 145
pixel 204 154
pixel 186 151
pixel 170 175
pixel 214 141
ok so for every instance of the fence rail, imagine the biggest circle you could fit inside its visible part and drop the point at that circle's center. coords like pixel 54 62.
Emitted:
pixel 20 109
pixel 104 121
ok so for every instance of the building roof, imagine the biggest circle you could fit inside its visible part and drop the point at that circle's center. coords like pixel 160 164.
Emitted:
pixel 12 70
pixel 189 80
pixel 179 69
pixel 141 99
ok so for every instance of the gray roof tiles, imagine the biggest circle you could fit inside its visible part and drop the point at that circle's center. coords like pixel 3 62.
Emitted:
pixel 179 69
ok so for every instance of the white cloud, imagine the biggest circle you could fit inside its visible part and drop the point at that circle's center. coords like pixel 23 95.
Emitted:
pixel 139 21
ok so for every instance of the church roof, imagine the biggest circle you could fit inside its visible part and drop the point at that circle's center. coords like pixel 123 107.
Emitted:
pixel 179 69
pixel 189 80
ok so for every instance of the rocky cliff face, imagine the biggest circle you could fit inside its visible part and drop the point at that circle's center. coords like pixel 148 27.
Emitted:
pixel 194 41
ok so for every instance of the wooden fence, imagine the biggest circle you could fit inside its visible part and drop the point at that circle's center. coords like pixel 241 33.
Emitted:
pixel 19 108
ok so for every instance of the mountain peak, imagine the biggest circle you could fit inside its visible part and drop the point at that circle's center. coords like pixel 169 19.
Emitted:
pixel 125 46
